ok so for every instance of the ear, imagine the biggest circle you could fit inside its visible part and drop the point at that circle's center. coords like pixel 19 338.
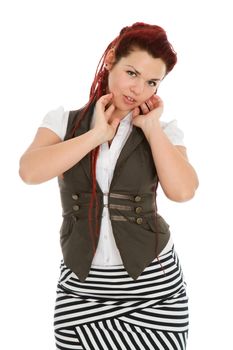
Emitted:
pixel 110 59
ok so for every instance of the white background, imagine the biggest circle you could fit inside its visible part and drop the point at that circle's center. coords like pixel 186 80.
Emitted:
pixel 49 52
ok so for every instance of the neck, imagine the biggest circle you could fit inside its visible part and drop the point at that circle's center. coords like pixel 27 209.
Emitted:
pixel 119 115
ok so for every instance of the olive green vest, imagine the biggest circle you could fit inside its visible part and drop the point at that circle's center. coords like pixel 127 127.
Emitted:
pixel 140 233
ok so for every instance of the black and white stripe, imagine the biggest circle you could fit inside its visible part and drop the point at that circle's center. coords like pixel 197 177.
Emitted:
pixel 111 311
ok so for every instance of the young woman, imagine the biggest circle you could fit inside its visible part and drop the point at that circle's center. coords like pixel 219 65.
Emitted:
pixel 121 284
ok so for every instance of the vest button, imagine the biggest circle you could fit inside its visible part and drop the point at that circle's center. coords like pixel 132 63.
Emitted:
pixel 76 207
pixel 137 199
pixel 75 196
pixel 138 210
pixel 139 221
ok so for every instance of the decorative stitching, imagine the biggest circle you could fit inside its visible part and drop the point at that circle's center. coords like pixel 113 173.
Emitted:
pixel 120 207
pixel 121 218
pixel 121 196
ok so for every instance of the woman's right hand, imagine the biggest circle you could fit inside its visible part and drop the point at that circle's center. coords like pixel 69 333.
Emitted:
pixel 103 124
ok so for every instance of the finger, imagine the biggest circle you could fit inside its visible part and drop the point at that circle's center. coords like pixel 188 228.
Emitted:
pixel 107 98
pixel 149 105
pixel 145 108
pixel 135 112
pixel 104 100
pixel 109 111
pixel 155 101
pixel 101 104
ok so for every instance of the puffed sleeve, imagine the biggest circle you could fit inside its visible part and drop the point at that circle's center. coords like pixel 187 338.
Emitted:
pixel 173 132
pixel 56 120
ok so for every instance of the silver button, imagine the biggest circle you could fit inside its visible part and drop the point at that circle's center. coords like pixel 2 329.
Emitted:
pixel 138 210
pixel 75 196
pixel 139 221
pixel 137 199
pixel 76 207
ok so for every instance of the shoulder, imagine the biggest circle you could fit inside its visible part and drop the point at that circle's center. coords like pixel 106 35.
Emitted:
pixel 56 120
pixel 173 132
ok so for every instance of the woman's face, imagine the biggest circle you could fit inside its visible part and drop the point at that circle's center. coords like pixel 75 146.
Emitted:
pixel 134 79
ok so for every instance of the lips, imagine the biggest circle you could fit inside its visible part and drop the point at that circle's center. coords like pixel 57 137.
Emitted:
pixel 128 100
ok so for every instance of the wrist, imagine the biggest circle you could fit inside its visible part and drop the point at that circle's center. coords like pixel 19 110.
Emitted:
pixel 96 136
pixel 150 128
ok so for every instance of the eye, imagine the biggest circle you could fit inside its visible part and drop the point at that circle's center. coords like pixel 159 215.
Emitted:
pixel 131 73
pixel 152 83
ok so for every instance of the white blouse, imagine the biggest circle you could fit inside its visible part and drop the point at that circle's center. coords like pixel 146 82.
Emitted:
pixel 107 253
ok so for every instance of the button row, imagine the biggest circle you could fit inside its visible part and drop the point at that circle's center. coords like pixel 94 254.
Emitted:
pixel 138 210
pixel 75 197
pixel 136 198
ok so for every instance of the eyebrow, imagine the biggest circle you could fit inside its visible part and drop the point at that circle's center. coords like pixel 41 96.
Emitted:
pixel 129 65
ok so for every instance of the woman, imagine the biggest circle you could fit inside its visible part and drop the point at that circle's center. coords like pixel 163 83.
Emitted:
pixel 121 284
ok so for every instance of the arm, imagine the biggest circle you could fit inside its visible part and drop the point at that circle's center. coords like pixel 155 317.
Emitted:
pixel 48 157
pixel 177 177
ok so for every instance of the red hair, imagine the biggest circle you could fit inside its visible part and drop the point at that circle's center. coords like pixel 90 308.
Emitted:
pixel 142 36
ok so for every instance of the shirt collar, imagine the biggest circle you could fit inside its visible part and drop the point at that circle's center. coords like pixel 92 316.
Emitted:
pixel 126 120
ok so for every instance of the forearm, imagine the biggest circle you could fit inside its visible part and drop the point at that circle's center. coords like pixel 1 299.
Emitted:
pixel 176 175
pixel 44 163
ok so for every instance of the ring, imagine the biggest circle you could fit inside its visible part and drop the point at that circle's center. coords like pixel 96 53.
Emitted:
pixel 147 106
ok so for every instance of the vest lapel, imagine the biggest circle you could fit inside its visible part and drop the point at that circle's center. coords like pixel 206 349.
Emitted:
pixel 132 142
pixel 84 126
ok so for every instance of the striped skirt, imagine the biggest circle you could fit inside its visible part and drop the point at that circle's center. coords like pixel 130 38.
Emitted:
pixel 111 311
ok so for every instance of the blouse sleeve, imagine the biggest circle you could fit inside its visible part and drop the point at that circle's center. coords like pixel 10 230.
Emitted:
pixel 173 132
pixel 56 120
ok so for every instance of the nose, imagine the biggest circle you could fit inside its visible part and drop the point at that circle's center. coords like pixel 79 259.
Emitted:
pixel 137 87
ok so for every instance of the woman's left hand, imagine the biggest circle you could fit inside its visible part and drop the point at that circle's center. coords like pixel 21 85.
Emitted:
pixel 148 113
